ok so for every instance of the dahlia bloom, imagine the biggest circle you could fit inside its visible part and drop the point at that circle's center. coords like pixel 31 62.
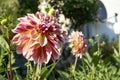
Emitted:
pixel 78 42
pixel 38 37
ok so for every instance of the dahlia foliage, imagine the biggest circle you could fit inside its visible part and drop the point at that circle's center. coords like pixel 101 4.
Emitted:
pixel 78 42
pixel 39 37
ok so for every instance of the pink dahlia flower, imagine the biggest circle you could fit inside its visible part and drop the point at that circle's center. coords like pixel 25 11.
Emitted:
pixel 78 42
pixel 38 37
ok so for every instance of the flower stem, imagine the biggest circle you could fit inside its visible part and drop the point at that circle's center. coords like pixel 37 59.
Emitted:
pixel 75 62
pixel 38 70
pixel 9 54
pixel 10 66
pixel 34 72
pixel 40 66
pixel 119 42
pixel 76 58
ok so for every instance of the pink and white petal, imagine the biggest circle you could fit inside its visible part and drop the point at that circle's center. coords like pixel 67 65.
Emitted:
pixel 37 15
pixel 25 49
pixel 34 44
pixel 23 37
pixel 48 51
pixel 16 38
pixel 20 46
pixel 53 43
pixel 22 19
pixel 34 35
pixel 43 57
pixel 33 19
pixel 22 40
pixel 39 55
pixel 42 40
pixel 29 54
pixel 18 30
pixel 19 49
pixel 48 57
pixel 25 25
pixel 55 54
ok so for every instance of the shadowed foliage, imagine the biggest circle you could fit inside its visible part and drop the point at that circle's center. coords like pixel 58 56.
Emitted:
pixel 79 11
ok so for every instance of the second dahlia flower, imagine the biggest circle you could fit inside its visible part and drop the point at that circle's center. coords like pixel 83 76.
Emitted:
pixel 78 42
pixel 38 37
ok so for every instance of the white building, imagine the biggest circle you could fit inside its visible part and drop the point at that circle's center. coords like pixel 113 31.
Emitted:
pixel 108 21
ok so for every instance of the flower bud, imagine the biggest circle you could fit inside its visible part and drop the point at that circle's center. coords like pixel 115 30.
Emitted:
pixel 97 35
pixel 51 12
pixel 4 21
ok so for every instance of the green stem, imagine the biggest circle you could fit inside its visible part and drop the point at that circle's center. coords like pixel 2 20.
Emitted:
pixel 34 72
pixel 28 70
pixel 119 43
pixel 98 46
pixel 9 53
pixel 38 70
pixel 76 58
pixel 10 63
pixel 8 76
pixel 40 66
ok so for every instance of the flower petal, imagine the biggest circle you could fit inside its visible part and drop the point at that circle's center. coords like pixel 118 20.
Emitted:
pixel 42 40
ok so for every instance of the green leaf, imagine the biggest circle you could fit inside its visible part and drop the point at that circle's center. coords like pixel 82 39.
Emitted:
pixel 63 74
pixel 46 70
pixel 95 58
pixel 87 63
pixel 15 68
pixel 116 52
pixel 51 69
pixel 2 70
pixel 2 77
pixel 116 55
pixel 88 57
pixel 12 58
pixel 17 76
pixel 4 43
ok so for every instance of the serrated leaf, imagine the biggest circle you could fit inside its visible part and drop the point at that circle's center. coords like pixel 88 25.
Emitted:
pixel 4 43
